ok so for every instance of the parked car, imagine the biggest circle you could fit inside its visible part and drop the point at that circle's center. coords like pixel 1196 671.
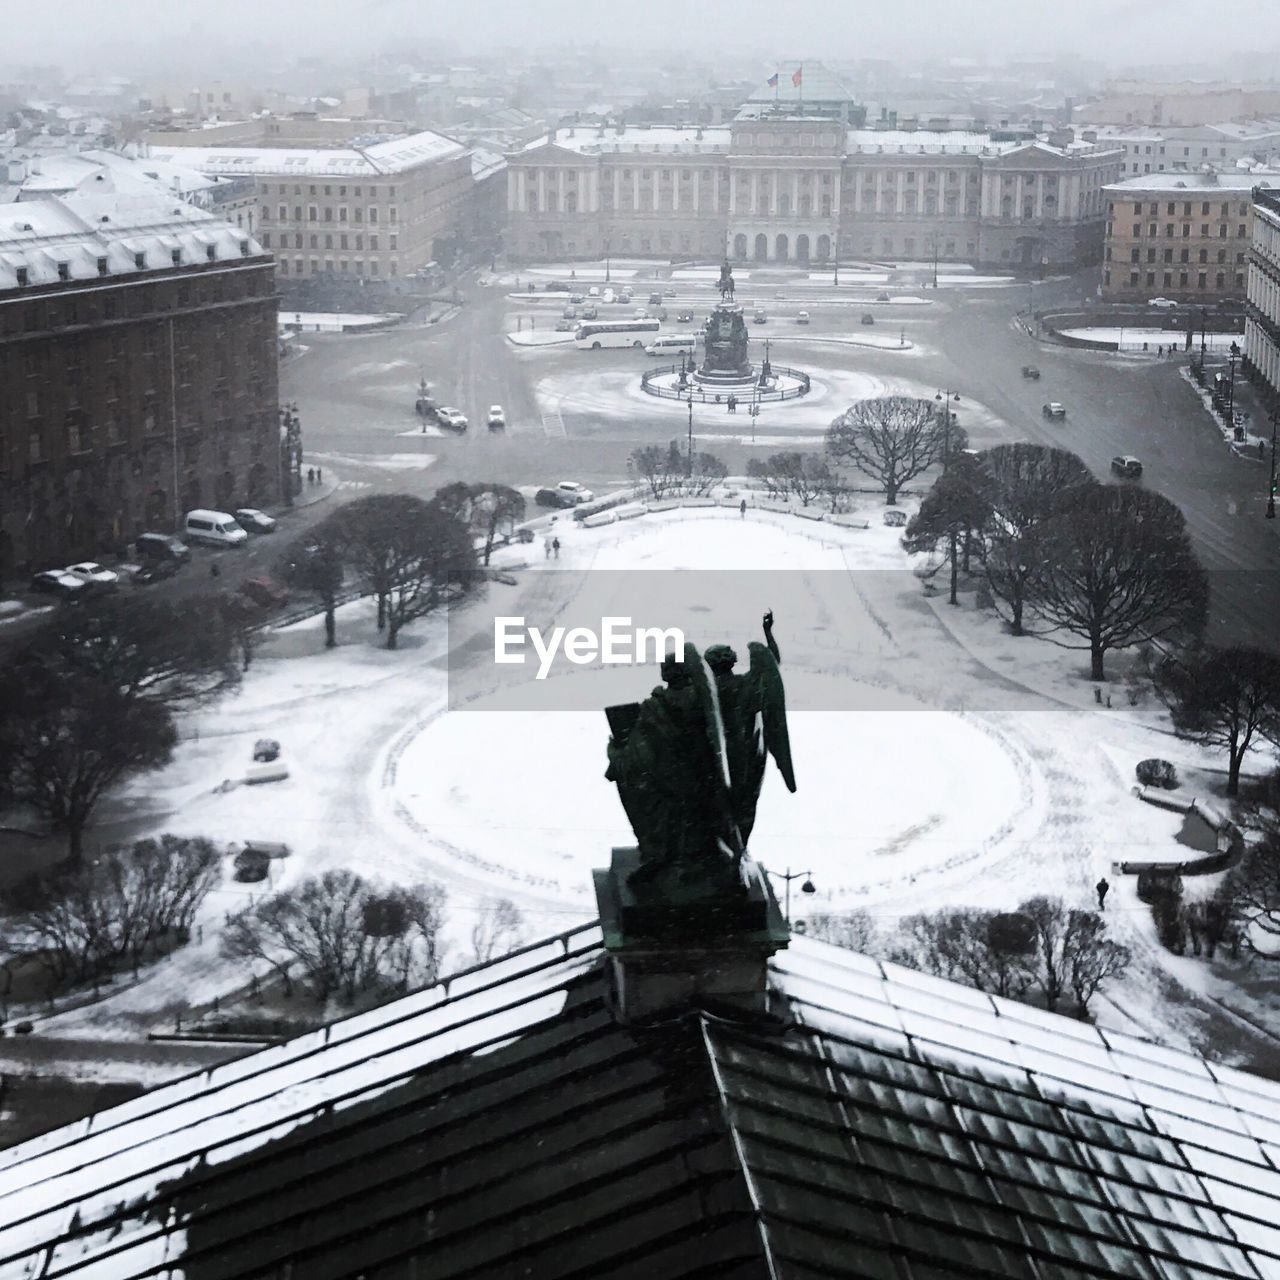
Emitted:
pixel 254 521
pixel 570 313
pixel 868 318
pixel 553 498
pixel 576 298
pixel 641 314
pixel 265 750
pixel 670 291
pixel 1126 466
pixel 60 583
pixel 153 547
pixel 659 313
pixel 882 297
pixel 590 313
pixel 566 326
pixel 497 419
pixel 1164 304
pixel 1054 410
pixel 557 286
pixel 454 419
pixel 802 317
pixel 608 295
pixel 572 489
pixel 264 593
pixel 759 316
pixel 655 299
pixel 95 576
pixel 685 317
pixel 1030 371
pixel 627 294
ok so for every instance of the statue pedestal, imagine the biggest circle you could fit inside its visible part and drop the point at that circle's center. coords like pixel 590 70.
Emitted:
pixel 682 938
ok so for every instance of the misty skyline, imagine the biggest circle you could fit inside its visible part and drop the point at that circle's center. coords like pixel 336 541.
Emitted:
pixel 138 37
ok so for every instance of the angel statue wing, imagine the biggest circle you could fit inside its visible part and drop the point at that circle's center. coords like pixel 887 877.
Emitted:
pixel 731 839
pixel 768 700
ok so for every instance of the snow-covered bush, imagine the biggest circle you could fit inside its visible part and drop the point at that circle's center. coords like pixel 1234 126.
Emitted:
pixel 1154 772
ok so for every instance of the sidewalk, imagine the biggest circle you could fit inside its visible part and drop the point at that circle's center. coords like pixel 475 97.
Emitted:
pixel 310 494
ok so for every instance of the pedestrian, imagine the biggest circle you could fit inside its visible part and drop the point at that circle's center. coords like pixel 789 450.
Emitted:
pixel 1160 351
pixel 311 475
pixel 319 475
pixel 742 508
pixel 546 547
pixel 555 547
pixel 1103 889
pixel 214 570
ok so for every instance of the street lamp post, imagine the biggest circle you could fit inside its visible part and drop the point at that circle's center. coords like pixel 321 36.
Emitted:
pixel 947 397
pixel 1271 489
pixel 1233 356
pixel 690 460
pixel 787 877
pixel 607 245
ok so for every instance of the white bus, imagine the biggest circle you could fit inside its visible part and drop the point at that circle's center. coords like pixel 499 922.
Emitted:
pixel 616 333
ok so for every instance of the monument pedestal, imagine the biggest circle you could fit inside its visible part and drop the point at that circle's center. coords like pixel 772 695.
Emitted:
pixel 682 938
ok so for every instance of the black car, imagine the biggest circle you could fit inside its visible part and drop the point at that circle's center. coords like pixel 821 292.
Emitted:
pixel 557 286
pixel 155 571
pixel 1126 466
pixel 868 318
pixel 161 546
pixel 553 498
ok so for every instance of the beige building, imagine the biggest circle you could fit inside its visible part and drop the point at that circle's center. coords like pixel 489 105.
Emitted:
pixel 1149 150
pixel 1136 102
pixel 374 212
pixel 805 189
pixel 1183 236
pixel 1262 314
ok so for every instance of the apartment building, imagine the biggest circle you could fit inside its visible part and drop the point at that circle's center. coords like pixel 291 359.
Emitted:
pixel 372 212
pixel 138 358
pixel 1262 310
pixel 1184 236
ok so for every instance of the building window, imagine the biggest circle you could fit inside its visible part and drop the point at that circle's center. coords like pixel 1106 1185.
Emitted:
pixel 342 241
pixel 342 213
pixel 328 213
pixel 1182 279
pixel 283 213
pixel 34 447
pixel 313 214
pixel 33 404
pixel 64 271
pixel 393 242
pixel 23 276
pixel 373 244
pixel 266 240
pixel 102 266
pixel 1220 279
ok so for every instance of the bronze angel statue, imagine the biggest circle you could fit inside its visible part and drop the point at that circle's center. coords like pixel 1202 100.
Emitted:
pixel 689 761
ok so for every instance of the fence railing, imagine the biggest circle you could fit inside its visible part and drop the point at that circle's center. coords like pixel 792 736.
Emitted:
pixel 746 394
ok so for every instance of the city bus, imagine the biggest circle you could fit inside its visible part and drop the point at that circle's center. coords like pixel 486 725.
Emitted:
pixel 616 333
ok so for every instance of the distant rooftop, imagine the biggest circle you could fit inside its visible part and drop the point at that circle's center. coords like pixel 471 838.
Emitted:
pixel 89 236
pixel 597 140
pixel 395 155
pixel 1191 180
pixel 818 84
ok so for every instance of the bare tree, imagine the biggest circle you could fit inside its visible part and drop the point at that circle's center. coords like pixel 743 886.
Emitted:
pixel 495 508
pixel 953 508
pixel 1091 957
pixel 408 552
pixel 65 740
pixel 1025 485
pixel 345 935
pixel 319 567
pixel 1251 894
pixel 1223 697
pixel 891 439
pixel 854 930
pixel 662 470
pixel 134 898
pixel 146 647
pixel 498 929
pixel 1050 923
pixel 793 474
pixel 951 944
pixel 708 471
pixel 1118 570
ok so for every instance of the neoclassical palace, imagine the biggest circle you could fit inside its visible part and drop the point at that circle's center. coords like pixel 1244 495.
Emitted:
pixel 806 189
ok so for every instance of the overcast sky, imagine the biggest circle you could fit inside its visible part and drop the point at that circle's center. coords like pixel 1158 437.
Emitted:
pixel 1119 32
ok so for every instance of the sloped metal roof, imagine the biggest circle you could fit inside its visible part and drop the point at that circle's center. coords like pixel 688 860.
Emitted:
pixel 886 1124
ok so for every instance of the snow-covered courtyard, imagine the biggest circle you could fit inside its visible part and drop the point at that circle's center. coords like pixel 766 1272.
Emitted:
pixel 967 767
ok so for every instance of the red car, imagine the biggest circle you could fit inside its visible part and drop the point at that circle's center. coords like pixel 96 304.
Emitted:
pixel 265 593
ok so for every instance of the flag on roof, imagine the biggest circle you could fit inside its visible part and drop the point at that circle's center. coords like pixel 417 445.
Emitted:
pixel 797 75
pixel 772 81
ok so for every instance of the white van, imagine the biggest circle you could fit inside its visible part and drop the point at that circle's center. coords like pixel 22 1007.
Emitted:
pixel 214 527
pixel 607 296
pixel 672 344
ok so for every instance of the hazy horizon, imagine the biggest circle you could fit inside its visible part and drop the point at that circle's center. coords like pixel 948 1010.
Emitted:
pixel 138 37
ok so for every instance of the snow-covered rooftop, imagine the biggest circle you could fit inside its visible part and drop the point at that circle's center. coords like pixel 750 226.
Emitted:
pixel 65 237
pixel 885 1116
pixel 908 141
pixel 669 139
pixel 1190 180
pixel 396 155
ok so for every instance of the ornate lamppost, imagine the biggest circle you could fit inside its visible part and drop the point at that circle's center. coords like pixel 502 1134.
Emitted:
pixel 787 877
pixel 1271 488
